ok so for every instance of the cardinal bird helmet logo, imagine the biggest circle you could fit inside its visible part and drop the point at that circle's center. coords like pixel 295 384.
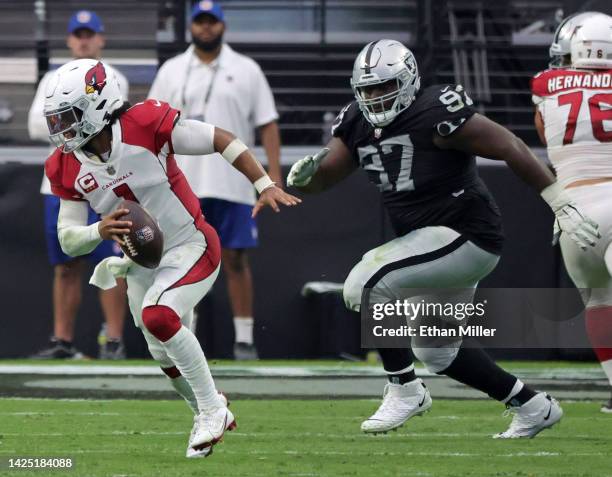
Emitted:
pixel 95 79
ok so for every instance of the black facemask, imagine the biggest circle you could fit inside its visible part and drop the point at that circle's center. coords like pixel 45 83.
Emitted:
pixel 208 46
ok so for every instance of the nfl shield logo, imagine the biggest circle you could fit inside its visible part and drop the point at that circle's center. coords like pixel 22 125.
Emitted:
pixel 111 170
pixel 377 133
pixel 144 235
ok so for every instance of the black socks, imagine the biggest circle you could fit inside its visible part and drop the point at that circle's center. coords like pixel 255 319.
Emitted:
pixel 398 364
pixel 474 367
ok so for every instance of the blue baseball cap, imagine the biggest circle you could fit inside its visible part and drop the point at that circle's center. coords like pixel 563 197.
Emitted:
pixel 209 7
pixel 85 19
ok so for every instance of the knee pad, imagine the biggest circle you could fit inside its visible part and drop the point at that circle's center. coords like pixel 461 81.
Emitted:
pixel 161 321
pixel 437 359
pixel 354 287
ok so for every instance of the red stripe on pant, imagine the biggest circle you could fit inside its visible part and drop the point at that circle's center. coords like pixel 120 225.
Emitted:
pixel 206 264
pixel 599 328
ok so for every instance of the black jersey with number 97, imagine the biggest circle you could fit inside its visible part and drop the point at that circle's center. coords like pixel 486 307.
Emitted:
pixel 421 184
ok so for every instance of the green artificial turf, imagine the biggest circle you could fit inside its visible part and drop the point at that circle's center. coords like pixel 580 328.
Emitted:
pixel 298 438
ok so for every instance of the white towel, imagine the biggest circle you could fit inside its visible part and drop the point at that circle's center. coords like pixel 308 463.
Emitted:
pixel 108 270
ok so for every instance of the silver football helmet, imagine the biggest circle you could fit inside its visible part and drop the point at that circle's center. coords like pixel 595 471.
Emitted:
pixel 560 48
pixel 391 63
pixel 591 45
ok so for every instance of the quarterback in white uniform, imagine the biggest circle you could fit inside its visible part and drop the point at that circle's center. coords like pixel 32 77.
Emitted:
pixel 574 120
pixel 109 151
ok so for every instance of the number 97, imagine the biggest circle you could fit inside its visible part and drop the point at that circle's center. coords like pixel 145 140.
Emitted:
pixel 454 101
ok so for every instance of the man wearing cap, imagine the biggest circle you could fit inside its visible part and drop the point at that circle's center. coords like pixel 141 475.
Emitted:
pixel 85 40
pixel 212 82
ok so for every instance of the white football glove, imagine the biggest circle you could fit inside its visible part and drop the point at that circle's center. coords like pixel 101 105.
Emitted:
pixel 302 171
pixel 569 218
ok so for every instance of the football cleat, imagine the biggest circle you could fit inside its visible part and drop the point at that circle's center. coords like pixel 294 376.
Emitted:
pixel 210 428
pixel 606 407
pixel 400 403
pixel 191 452
pixel 537 414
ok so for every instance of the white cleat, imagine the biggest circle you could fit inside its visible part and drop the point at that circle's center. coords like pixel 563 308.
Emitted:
pixel 205 452
pixel 537 414
pixel 400 403
pixel 210 428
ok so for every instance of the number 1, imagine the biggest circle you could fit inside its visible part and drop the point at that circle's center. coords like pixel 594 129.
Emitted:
pixel 125 192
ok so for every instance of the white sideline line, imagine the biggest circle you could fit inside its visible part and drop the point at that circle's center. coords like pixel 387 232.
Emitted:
pixel 273 371
pixel 67 369
pixel 53 413
pixel 267 371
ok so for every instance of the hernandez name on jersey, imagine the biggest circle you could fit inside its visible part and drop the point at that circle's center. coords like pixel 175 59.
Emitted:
pixel 421 184
pixel 576 108
pixel 141 167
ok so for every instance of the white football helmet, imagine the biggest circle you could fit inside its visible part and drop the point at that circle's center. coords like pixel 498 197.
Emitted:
pixel 560 47
pixel 380 62
pixel 79 100
pixel 591 45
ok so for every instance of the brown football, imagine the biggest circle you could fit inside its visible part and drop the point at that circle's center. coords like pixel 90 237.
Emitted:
pixel 145 242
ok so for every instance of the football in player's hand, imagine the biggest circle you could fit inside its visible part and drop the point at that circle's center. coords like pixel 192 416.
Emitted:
pixel 145 242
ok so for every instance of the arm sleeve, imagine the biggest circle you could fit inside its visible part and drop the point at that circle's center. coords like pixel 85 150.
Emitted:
pixel 75 236
pixel 264 109
pixel 193 137
pixel 37 125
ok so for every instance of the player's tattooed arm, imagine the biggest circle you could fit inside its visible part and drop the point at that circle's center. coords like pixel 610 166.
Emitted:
pixel 323 170
pixel 482 137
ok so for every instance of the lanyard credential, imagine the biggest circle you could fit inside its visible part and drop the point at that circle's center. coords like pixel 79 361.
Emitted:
pixel 215 69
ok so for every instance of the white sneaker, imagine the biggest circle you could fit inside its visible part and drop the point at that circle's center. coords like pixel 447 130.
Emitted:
pixel 205 452
pixel 400 403
pixel 537 414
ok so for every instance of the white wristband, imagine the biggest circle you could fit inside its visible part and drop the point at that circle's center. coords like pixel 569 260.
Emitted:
pixel 233 150
pixel 263 183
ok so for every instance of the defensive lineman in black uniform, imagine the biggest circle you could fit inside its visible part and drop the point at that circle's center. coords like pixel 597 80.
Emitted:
pixel 418 147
